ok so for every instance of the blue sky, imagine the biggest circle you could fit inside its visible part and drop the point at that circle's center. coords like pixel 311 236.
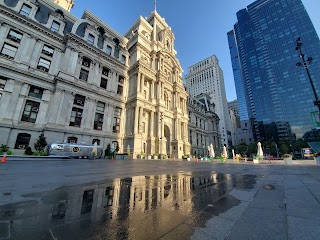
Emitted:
pixel 200 26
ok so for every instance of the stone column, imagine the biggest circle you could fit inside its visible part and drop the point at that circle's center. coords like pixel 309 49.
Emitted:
pixel 54 106
pixel 19 107
pixel 136 120
pixel 151 123
pixel 142 83
pixel 34 57
pixel 44 106
pixel 16 88
pixel 26 52
pixel 138 82
pixel 3 32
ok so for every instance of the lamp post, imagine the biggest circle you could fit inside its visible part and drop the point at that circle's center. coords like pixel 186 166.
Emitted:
pixel 305 64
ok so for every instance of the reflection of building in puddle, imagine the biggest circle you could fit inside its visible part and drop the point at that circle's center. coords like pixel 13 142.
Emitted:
pixel 149 199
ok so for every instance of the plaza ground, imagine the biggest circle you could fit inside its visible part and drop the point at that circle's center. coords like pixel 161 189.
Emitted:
pixel 154 199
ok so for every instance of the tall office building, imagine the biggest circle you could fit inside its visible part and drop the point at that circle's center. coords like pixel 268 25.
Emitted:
pixel 277 94
pixel 206 76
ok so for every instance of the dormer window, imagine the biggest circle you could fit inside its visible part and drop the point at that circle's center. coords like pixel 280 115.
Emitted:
pixel 25 10
pixel 47 50
pixel 55 26
pixel 123 59
pixel 14 36
pixel 91 39
pixel 109 50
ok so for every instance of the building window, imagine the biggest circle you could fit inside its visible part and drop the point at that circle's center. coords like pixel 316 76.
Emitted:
pixel 44 64
pixel 72 139
pixel 79 100
pixel 55 26
pixel 109 50
pixel 30 112
pixel 14 36
pixel 9 51
pixel 103 83
pixel 35 92
pixel 105 72
pixel 25 10
pixel 86 62
pixel 76 116
pixel 96 141
pixel 120 90
pixel 116 119
pixel 123 59
pixel 91 39
pixel 84 74
pixel 2 85
pixel 23 140
pixel 47 50
pixel 98 121
pixel 100 106
pixel 121 79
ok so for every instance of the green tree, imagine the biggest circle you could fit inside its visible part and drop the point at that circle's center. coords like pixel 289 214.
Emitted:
pixel 252 148
pixel 41 143
pixel 107 151
pixel 242 148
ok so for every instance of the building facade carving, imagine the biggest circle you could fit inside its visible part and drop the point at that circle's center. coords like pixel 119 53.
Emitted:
pixel 79 80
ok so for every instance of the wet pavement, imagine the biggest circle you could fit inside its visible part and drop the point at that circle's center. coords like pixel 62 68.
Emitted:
pixel 158 200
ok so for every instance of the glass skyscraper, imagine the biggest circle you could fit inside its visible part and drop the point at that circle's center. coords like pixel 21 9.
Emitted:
pixel 277 95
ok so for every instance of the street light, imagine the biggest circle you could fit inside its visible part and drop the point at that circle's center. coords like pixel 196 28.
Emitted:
pixel 305 64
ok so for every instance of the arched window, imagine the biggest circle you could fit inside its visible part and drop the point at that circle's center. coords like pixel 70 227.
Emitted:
pixel 22 141
pixel 72 139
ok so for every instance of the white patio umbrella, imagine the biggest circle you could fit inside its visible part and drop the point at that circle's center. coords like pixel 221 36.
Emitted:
pixel 209 151
pixel 260 152
pixel 128 149
pixel 212 151
pixel 224 152
pixel 95 148
pixel 233 155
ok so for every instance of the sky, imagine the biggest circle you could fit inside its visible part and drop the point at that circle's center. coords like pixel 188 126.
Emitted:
pixel 200 26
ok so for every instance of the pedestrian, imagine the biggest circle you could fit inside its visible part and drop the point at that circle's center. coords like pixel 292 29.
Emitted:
pixel 92 155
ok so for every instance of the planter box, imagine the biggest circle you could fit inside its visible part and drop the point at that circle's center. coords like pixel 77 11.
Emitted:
pixel 288 160
pixel 317 160
pixel 256 161
pixel 149 157
pixel 155 157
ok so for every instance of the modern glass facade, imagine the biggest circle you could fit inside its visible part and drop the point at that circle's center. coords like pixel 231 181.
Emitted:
pixel 278 94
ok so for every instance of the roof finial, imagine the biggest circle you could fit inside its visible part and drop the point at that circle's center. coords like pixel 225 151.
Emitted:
pixel 155 5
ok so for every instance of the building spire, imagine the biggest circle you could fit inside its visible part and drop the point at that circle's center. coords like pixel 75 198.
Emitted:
pixel 155 5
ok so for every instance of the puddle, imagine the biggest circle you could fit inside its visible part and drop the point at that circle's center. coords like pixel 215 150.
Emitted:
pixel 139 207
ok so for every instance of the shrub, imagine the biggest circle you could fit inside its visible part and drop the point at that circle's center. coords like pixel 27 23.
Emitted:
pixel 9 152
pixel 41 143
pixel 4 148
pixel 36 154
pixel 28 151
pixel 43 154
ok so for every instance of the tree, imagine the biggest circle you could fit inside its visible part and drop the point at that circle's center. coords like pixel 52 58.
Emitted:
pixel 242 148
pixel 107 151
pixel 252 148
pixel 117 148
pixel 41 143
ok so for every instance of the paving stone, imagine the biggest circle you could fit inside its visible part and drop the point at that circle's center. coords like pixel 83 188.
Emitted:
pixel 267 204
pixel 306 213
pixel 303 229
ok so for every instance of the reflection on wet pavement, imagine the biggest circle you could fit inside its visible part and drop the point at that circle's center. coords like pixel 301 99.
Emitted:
pixel 141 207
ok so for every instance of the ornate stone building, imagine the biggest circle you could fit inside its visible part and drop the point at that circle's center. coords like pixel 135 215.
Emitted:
pixel 59 75
pixel 156 98
pixel 66 4
pixel 203 125
pixel 78 80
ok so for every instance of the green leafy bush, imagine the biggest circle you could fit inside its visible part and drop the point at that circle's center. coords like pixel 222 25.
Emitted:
pixel 28 151
pixel 4 148
pixel 9 152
